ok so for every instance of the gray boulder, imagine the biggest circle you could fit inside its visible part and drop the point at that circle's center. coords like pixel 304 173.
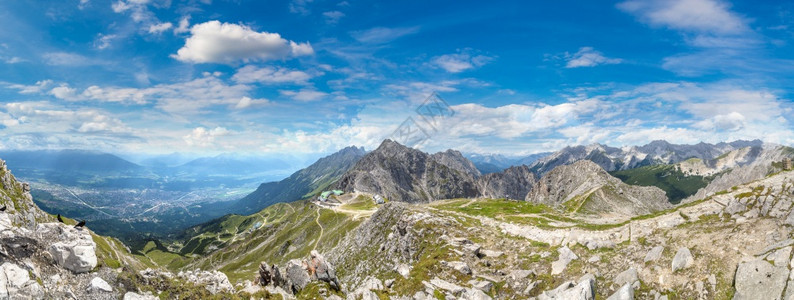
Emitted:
pixel 73 249
pixel 626 292
pixel 322 270
pixel 100 285
pixel 584 290
pixel 683 259
pixel 758 279
pixel 654 254
pixel 566 256
pixel 296 275
pixel 628 277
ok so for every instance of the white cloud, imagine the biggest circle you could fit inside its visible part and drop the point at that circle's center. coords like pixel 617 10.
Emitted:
pixel 202 137
pixel 68 59
pixel 704 16
pixel 64 92
pixel 588 57
pixel 37 88
pixel 332 17
pixel 731 122
pixel 247 102
pixel 459 62
pixel 160 28
pixel 184 25
pixel 382 35
pixel 216 42
pixel 305 94
pixel 103 41
pixel 270 75
pixel 300 6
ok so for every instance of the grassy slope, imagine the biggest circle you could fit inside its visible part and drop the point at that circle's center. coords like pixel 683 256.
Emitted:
pixel 666 177
pixel 290 231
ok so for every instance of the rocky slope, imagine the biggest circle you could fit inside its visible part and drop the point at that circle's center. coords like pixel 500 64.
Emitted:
pixel 301 184
pixel 512 183
pixel 41 258
pixel 585 187
pixel 409 175
pixel 656 152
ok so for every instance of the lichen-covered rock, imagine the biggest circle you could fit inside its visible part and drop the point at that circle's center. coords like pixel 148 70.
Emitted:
pixel 296 275
pixel 758 279
pixel 214 281
pixel 583 290
pixel 322 270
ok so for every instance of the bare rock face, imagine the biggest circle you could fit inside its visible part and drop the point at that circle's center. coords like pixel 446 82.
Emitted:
pixel 297 276
pixel 322 270
pixel 512 183
pixel 15 283
pixel 214 281
pixel 409 175
pixel 73 249
pixel 759 279
pixel 585 187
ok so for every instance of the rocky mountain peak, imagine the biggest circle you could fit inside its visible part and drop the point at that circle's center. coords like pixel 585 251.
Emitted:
pixel 585 187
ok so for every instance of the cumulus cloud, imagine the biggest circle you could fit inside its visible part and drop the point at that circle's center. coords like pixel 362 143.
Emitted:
pixel 203 137
pixel 247 102
pixel 705 16
pixel 270 75
pixel 588 57
pixel 216 42
pixel 459 62
pixel 731 122
pixel 382 35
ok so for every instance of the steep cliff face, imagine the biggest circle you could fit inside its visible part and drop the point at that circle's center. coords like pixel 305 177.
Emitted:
pixel 16 197
pixel 409 175
pixel 301 184
pixel 512 183
pixel 585 187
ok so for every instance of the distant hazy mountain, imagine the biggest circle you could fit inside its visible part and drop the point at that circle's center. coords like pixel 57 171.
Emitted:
pixel 406 174
pixel 68 161
pixel 226 164
pixel 300 184
pixel 656 152
pixel 493 163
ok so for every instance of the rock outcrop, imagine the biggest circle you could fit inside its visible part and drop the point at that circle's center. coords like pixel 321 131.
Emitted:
pixel 72 248
pixel 404 174
pixel 512 183
pixel 214 281
pixel 587 188
pixel 297 274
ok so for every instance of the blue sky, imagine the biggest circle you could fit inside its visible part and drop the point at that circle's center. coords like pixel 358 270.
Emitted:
pixel 312 76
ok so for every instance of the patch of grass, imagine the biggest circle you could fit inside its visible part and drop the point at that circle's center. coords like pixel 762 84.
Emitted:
pixel 494 207
pixel 360 203
pixel 672 181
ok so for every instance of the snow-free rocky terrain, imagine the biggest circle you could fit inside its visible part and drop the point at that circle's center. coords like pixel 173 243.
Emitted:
pixel 572 232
